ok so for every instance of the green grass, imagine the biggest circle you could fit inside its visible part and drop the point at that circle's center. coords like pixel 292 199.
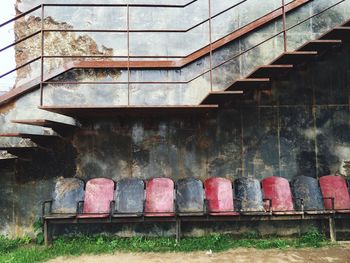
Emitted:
pixel 20 250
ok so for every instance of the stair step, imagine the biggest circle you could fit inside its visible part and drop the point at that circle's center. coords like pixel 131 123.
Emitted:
pixel 19 151
pixel 250 84
pixel 221 97
pixel 294 57
pixel 39 139
pixel 270 71
pixel 59 127
pixel 82 112
pixel 320 44
pixel 7 161
pixel 342 33
pixel 347 23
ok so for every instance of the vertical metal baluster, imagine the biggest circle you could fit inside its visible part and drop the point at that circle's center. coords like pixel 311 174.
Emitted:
pixel 128 28
pixel 42 56
pixel 210 47
pixel 284 27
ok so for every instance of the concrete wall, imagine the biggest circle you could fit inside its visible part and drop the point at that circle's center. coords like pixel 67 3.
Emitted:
pixel 301 127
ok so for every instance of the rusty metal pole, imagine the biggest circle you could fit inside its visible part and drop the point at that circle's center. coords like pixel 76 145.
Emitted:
pixel 128 40
pixel 42 56
pixel 210 47
pixel 284 27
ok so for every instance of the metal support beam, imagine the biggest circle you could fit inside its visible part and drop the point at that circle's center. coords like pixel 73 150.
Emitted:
pixel 178 230
pixel 332 229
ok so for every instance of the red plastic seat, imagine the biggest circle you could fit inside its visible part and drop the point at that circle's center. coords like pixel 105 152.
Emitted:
pixel 335 187
pixel 98 196
pixel 277 189
pixel 219 195
pixel 159 197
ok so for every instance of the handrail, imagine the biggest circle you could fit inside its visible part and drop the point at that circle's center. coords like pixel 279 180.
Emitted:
pixel 119 31
pixel 218 65
pixel 21 66
pixel 21 40
pixel 282 31
pixel 151 30
pixel 21 15
pixel 180 63
pixel 125 5
pixel 231 58
pixel 92 5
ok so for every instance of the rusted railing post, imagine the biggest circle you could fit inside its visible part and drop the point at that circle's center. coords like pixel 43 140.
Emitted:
pixel 128 40
pixel 284 26
pixel 210 47
pixel 42 56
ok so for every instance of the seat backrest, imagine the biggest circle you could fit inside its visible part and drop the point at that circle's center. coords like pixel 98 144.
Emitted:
pixel 98 195
pixel 248 194
pixel 159 195
pixel 277 189
pixel 335 186
pixel 68 192
pixel 219 194
pixel 129 196
pixel 189 195
pixel 307 189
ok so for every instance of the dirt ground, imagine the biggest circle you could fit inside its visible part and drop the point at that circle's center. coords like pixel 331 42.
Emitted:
pixel 320 255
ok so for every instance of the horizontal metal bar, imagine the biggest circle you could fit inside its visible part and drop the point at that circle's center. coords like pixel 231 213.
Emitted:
pixel 94 5
pixel 21 40
pixel 102 56
pixel 308 18
pixel 123 5
pixel 110 82
pixel 253 47
pixel 25 64
pixel 273 36
pixel 226 60
pixel 87 30
pixel 21 15
pixel 119 30
pixel 150 31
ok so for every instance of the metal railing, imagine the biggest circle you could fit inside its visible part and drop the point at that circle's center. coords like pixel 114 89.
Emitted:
pixel 42 31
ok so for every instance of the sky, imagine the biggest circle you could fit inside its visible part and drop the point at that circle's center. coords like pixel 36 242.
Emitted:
pixel 7 58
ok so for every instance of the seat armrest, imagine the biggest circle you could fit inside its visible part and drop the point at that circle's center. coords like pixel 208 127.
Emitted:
pixel 111 208
pixel 269 203
pixel 236 203
pixel 176 207
pixel 80 204
pixel 332 201
pixel 43 207
pixel 205 206
pixel 301 201
pixel 144 206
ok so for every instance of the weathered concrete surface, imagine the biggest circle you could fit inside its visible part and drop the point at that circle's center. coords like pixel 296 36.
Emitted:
pixel 289 133
pixel 97 43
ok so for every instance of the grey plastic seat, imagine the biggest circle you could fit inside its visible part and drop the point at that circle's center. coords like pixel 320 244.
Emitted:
pixel 190 197
pixel 129 198
pixel 249 198
pixel 65 197
pixel 307 189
